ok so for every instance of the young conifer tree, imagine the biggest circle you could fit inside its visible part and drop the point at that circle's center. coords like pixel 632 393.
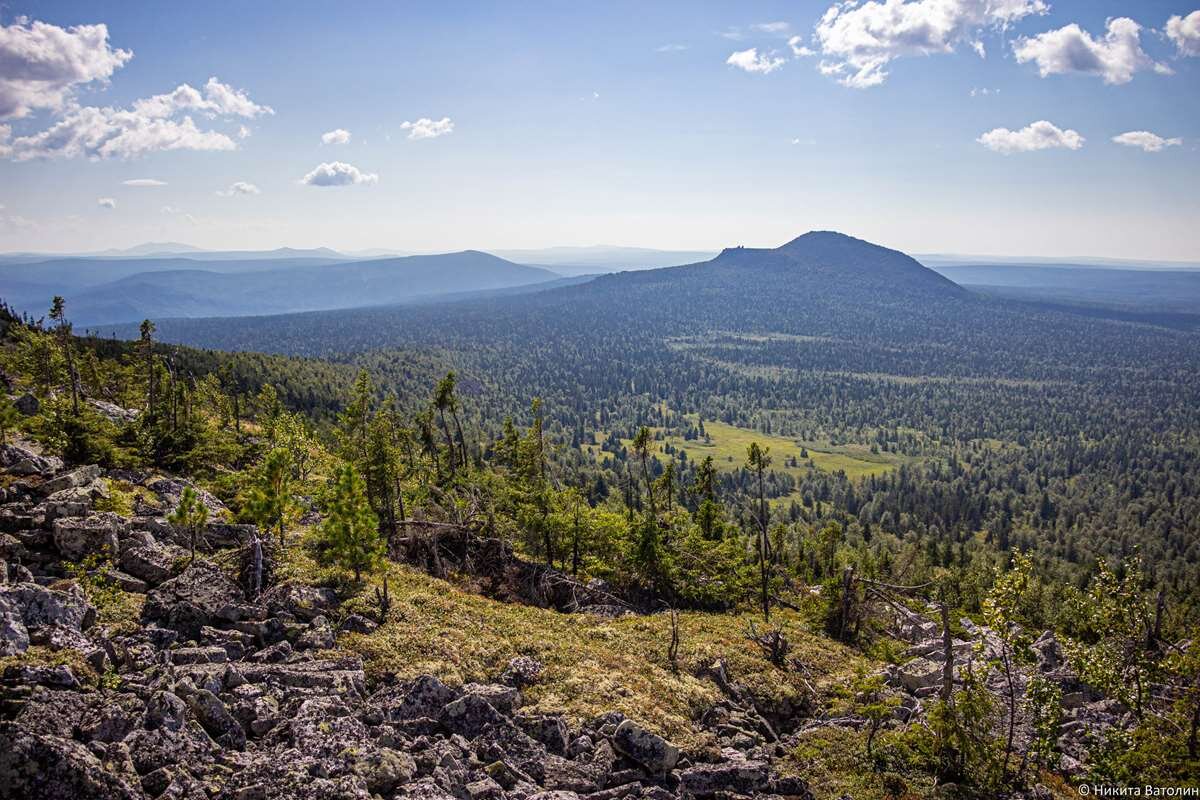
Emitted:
pixel 350 530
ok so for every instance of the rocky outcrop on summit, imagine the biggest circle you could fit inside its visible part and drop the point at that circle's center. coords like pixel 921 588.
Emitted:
pixel 223 693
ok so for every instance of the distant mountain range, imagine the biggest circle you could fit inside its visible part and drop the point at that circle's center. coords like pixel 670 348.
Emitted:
pixel 127 289
pixel 162 280
pixel 603 258
pixel 820 284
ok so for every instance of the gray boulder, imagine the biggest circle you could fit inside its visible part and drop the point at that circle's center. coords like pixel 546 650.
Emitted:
pixel 470 715
pixel 216 720
pixel 656 755
pixel 51 768
pixel 194 598
pixel 38 606
pixel 736 776
pixel 504 699
pixel 151 562
pixel 14 636
pixel 424 697
pixel 80 476
pixel 77 537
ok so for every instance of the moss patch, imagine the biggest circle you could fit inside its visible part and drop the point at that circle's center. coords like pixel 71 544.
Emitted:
pixel 592 664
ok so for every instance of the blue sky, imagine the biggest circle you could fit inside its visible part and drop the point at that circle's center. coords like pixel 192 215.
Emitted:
pixel 622 123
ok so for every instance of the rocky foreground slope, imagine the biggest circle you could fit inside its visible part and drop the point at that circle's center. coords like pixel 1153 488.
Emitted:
pixel 212 679
pixel 216 692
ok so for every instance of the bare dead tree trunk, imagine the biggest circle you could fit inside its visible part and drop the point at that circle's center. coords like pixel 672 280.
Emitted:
pixel 847 588
pixel 257 571
pixel 948 652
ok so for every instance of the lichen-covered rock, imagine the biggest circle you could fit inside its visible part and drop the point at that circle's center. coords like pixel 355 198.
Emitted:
pixel 424 697
pixel 521 671
pixel 77 537
pixel 470 715
pixel 151 562
pixel 215 718
pixel 39 765
pixel 736 776
pixel 13 455
pixel 14 636
pixel 653 752
pixel 196 597
pixel 81 476
pixel 504 699
pixel 384 770
pixel 39 606
pixel 302 602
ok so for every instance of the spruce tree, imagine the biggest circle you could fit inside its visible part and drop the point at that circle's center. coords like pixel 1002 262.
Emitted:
pixel 350 530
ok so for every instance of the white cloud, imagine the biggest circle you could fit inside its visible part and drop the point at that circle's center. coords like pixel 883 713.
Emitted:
pixel 1040 135
pixel 239 187
pixel 1070 49
pixel 426 128
pixel 771 27
pixel 983 92
pixel 41 64
pixel 671 48
pixel 243 132
pixel 751 61
pixel 1185 33
pixel 337 173
pixel 144 182
pixel 106 202
pixel 1149 142
pixel 860 40
pixel 336 136
pixel 799 49
pixel 151 125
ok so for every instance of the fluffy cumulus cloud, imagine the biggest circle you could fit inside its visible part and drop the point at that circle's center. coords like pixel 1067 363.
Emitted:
pixel 106 202
pixel 338 173
pixel 216 99
pixel 859 40
pixel 152 124
pixel 42 64
pixel 1185 33
pixel 753 61
pixel 1150 142
pixel 1040 135
pixel 426 128
pixel 336 136
pixel 239 188
pixel 1115 57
